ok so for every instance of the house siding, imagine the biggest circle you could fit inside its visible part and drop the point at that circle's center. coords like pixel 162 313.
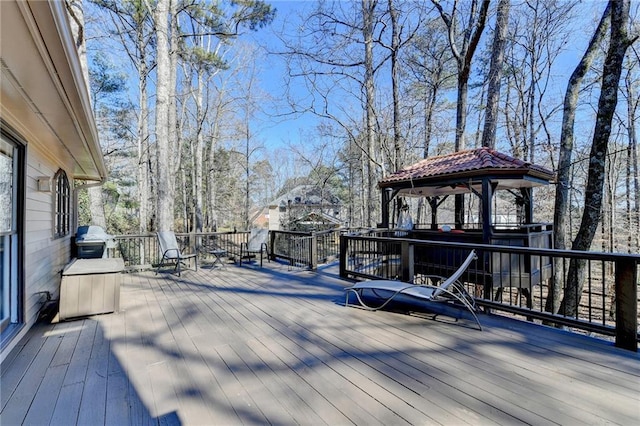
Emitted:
pixel 44 255
pixel 44 106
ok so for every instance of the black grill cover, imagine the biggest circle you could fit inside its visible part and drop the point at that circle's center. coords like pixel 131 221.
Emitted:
pixel 91 242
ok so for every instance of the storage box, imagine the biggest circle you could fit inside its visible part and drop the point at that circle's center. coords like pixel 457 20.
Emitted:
pixel 90 287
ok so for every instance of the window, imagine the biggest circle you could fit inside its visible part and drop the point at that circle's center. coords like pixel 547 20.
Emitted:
pixel 61 204
pixel 11 186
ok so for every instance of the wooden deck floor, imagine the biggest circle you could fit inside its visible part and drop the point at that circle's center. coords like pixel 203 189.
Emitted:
pixel 259 346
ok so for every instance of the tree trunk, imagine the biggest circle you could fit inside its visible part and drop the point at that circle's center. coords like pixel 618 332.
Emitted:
pixel 143 146
pixel 495 75
pixel 163 92
pixel 631 181
pixel 607 102
pixel 96 205
pixel 395 83
pixel 429 108
pixel 173 134
pixel 198 181
pixel 565 156
pixel 463 56
pixel 368 7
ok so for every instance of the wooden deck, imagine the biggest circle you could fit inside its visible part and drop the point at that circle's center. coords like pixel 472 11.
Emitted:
pixel 258 346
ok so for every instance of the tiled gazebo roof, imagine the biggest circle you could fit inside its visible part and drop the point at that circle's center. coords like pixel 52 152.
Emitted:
pixel 466 164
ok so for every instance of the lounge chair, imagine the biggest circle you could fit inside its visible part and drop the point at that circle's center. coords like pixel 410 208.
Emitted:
pixel 450 289
pixel 171 251
pixel 257 244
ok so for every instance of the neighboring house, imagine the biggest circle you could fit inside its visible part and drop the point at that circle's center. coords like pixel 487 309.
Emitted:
pixel 305 208
pixel 48 146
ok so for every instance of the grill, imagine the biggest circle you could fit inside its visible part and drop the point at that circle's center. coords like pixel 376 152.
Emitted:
pixel 91 242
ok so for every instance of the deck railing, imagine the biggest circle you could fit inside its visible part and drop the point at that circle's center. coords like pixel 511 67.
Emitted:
pixel 305 249
pixel 300 249
pixel 608 298
pixel 141 251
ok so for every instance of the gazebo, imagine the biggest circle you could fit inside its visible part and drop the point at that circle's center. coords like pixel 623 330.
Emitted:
pixel 481 172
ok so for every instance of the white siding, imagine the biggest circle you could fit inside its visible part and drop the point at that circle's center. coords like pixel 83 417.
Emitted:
pixel 44 256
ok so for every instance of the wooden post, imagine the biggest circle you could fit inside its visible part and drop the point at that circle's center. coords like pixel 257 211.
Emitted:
pixel 406 256
pixel 626 305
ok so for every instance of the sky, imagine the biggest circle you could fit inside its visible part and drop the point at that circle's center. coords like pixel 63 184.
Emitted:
pixel 278 132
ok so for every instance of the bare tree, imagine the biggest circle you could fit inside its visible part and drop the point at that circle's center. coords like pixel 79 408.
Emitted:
pixel 566 150
pixel 538 32
pixel 165 165
pixel 431 70
pixel 368 10
pixel 463 41
pixel 463 47
pixel 495 74
pixel 332 51
pixel 76 15
pixel 632 182
pixel 202 59
pixel 612 69
pixel 131 25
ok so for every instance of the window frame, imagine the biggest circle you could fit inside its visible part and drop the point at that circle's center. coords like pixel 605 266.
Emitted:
pixel 12 279
pixel 61 205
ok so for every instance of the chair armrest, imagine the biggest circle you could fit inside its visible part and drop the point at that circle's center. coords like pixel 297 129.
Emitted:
pixel 164 254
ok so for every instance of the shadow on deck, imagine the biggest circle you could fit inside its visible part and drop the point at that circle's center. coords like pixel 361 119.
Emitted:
pixel 252 345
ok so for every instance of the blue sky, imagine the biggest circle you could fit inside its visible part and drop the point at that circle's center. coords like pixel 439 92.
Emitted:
pixel 278 132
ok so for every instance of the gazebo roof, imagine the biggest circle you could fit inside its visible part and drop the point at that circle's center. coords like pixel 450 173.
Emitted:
pixel 462 170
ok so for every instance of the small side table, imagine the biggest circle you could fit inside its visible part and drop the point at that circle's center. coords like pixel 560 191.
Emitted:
pixel 218 254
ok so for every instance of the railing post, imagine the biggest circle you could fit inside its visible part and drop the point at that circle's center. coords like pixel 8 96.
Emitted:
pixel 626 304
pixel 313 252
pixel 406 256
pixel 344 245
pixel 272 243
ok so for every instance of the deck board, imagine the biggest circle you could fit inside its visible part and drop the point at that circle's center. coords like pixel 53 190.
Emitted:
pixel 268 345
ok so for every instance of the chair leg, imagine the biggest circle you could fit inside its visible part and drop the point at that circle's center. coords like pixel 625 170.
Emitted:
pixel 160 265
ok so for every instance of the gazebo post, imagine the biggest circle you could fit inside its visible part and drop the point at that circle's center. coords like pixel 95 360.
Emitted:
pixel 527 196
pixel 459 211
pixel 487 195
pixel 433 204
pixel 386 199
